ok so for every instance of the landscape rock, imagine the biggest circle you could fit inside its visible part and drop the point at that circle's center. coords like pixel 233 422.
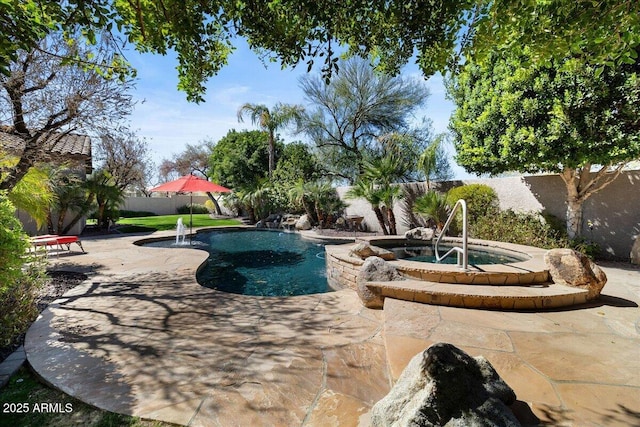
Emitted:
pixel 374 269
pixel 635 252
pixel 571 268
pixel 444 386
pixel 420 233
pixel 365 250
pixel 303 223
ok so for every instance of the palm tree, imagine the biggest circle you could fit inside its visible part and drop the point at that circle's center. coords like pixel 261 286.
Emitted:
pixel 256 199
pixel 433 206
pixel 382 172
pixel 100 189
pixel 34 195
pixel 301 196
pixel 365 189
pixel 388 194
pixel 433 161
pixel 270 121
pixel 70 193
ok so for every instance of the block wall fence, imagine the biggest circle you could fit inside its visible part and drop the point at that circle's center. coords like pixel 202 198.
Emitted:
pixel 614 211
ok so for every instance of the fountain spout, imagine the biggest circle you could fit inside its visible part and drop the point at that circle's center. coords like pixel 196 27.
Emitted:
pixel 180 232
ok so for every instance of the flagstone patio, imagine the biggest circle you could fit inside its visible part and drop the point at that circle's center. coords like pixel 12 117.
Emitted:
pixel 141 337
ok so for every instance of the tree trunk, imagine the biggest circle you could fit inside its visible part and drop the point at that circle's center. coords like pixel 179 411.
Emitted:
pixel 309 212
pixel 84 208
pixel 215 203
pixel 581 184
pixel 28 158
pixel 319 215
pixel 380 217
pixel 61 215
pixel 391 217
pixel 272 153
pixel 574 217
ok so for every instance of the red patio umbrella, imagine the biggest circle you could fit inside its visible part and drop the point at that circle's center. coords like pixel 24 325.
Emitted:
pixel 190 184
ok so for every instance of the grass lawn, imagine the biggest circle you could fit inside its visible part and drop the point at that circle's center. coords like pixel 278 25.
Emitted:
pixel 26 402
pixel 168 222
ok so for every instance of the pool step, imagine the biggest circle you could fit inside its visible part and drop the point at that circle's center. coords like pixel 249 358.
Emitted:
pixel 504 297
pixel 497 274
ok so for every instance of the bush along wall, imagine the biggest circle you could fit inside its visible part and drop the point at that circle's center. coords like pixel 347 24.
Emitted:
pixel 21 276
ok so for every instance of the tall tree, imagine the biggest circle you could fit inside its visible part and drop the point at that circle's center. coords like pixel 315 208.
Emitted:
pixel 294 31
pixel 45 95
pixel 356 110
pixel 127 159
pixel 271 120
pixel 239 159
pixel 569 118
pixel 297 162
pixel 194 158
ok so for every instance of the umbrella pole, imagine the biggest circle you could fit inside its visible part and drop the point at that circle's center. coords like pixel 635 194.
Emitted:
pixel 190 216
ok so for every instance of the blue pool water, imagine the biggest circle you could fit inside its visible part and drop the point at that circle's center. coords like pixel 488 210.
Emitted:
pixel 261 263
pixel 427 254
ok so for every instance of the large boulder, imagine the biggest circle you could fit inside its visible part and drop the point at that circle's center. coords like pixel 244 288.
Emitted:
pixel 365 250
pixel 374 269
pixel 635 251
pixel 571 268
pixel 420 233
pixel 303 223
pixel 444 386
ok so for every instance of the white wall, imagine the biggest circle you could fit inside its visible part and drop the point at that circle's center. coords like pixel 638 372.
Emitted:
pixel 161 205
pixel 614 211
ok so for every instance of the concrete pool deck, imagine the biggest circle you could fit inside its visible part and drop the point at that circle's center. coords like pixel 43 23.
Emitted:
pixel 141 337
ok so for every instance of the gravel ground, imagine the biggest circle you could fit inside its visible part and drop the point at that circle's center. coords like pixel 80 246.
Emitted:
pixel 59 282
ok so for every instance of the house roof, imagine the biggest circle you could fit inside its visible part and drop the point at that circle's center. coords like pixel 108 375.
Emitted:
pixel 69 146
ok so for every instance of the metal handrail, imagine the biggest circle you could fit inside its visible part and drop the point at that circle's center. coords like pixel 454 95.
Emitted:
pixel 463 255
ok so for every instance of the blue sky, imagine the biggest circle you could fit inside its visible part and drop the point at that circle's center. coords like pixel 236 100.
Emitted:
pixel 168 122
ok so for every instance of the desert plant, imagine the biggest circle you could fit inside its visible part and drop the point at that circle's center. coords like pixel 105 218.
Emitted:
pixel 433 207
pixel 366 190
pixel 516 227
pixel 411 192
pixel 585 246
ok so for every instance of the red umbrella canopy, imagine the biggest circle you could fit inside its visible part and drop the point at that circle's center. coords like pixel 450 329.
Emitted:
pixel 191 184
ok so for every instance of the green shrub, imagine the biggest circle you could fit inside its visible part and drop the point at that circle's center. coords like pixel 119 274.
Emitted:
pixel 19 302
pixel 20 276
pixel 135 214
pixel 197 209
pixel 13 244
pixel 520 228
pixel 433 207
pixel 581 244
pixel 211 207
pixel 481 200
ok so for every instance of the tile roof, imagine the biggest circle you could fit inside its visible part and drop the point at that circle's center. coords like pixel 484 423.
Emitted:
pixel 58 145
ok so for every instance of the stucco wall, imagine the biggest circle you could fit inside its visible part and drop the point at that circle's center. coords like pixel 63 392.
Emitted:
pixel 31 228
pixel 614 212
pixel 161 205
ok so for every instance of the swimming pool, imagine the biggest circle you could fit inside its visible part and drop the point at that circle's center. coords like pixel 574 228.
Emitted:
pixel 260 263
pixel 426 253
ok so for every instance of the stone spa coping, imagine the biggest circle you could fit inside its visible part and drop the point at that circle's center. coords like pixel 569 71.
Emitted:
pixel 532 269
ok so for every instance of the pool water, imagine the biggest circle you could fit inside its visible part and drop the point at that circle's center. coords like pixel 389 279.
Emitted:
pixel 261 263
pixel 427 254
